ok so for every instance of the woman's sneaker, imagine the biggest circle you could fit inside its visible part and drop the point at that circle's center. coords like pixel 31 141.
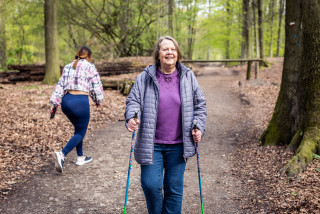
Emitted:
pixel 83 160
pixel 58 161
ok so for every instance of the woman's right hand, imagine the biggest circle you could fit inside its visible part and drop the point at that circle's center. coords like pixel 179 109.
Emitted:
pixel 133 124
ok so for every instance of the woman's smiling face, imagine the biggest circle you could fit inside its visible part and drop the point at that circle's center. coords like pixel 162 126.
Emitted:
pixel 167 53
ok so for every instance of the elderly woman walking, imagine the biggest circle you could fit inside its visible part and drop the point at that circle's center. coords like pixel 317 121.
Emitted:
pixel 168 99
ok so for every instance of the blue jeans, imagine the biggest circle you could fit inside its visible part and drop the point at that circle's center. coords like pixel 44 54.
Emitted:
pixel 77 109
pixel 166 174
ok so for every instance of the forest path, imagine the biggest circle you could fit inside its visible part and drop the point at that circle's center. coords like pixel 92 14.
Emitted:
pixel 99 187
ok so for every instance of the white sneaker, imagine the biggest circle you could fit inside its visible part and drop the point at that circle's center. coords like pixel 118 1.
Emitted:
pixel 58 161
pixel 83 160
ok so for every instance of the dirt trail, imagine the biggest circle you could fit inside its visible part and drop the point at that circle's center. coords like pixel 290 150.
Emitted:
pixel 99 187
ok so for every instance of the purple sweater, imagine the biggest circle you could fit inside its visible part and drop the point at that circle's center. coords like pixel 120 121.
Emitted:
pixel 169 119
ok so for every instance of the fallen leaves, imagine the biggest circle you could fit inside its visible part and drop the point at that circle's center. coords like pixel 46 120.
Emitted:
pixel 257 166
pixel 28 136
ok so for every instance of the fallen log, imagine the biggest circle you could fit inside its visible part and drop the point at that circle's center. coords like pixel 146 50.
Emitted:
pixel 113 84
pixel 36 72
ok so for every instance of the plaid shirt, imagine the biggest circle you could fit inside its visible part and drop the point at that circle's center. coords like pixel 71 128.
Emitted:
pixel 84 78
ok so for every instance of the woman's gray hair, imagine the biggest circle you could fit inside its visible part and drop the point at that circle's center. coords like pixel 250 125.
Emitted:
pixel 157 49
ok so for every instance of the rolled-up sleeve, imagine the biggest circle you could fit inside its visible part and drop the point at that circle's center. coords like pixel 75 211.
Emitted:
pixel 96 88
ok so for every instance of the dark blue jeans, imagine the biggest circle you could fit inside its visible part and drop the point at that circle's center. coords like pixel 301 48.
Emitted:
pixel 77 109
pixel 162 182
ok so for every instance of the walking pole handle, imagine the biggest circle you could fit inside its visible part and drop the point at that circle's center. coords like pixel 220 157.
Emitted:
pixel 135 117
pixel 195 127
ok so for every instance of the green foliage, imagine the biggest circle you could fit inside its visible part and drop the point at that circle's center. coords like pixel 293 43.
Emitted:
pixel 116 28
pixel 315 156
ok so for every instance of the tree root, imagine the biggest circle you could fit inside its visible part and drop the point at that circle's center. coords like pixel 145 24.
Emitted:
pixel 303 156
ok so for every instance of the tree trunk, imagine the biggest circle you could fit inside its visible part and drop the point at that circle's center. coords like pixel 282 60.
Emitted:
pixel 191 28
pixel 51 42
pixel 245 45
pixel 260 22
pixel 281 6
pixel 256 40
pixel 229 22
pixel 124 17
pixel 285 119
pixel 271 27
pixel 309 87
pixel 2 35
pixel 170 16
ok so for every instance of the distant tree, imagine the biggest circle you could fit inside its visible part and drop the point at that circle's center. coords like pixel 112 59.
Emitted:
pixel 271 26
pixel 192 8
pixel 281 9
pixel 245 52
pixel 118 25
pixel 170 16
pixel 3 45
pixel 52 73
pixel 261 30
pixel 256 39
pixel 228 32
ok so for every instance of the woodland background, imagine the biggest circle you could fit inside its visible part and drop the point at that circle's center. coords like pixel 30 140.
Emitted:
pixel 205 29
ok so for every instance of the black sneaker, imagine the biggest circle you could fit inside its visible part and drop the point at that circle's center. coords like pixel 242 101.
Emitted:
pixel 59 159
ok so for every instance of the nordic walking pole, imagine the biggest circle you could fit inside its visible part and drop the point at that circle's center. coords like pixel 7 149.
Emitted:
pixel 130 162
pixel 195 128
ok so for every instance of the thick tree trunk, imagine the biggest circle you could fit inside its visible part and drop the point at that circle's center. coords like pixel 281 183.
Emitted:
pixel 261 31
pixel 310 90
pixel 281 6
pixel 271 28
pixel 51 42
pixel 2 35
pixel 285 119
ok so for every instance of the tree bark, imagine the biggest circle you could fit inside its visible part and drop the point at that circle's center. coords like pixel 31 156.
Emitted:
pixel 229 22
pixel 261 31
pixel 170 16
pixel 285 119
pixel 256 40
pixel 52 74
pixel 2 35
pixel 271 27
pixel 281 6
pixel 245 45
pixel 309 89
pixel 191 28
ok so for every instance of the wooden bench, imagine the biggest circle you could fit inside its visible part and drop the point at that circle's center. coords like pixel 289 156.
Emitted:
pixel 249 61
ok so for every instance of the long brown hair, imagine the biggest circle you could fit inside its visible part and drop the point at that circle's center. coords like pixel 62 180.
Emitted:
pixel 157 49
pixel 83 53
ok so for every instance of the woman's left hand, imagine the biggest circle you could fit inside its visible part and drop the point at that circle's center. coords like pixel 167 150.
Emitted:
pixel 196 135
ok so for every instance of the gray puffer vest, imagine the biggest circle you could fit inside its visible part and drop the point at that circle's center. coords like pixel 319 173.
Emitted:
pixel 144 99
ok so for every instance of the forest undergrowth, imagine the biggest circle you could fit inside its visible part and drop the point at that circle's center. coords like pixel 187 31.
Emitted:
pixel 258 167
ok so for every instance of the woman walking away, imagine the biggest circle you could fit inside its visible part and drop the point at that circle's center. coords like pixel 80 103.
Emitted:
pixel 79 79
pixel 168 99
